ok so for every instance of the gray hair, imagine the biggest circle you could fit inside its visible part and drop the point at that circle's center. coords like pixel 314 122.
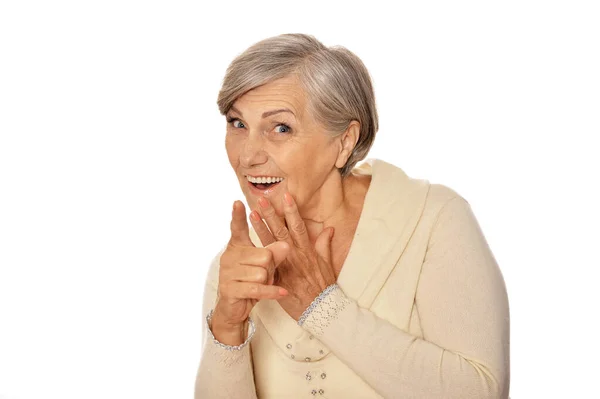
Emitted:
pixel 336 81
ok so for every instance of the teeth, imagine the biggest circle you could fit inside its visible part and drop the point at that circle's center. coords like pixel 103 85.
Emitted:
pixel 264 180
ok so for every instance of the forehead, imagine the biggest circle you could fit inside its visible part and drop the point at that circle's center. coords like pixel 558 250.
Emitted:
pixel 281 93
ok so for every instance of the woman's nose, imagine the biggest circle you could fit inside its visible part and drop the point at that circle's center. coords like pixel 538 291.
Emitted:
pixel 253 152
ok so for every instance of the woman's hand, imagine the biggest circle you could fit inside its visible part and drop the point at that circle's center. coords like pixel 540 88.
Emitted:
pixel 307 269
pixel 246 275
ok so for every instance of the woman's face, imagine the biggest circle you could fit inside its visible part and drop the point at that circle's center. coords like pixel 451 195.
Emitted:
pixel 274 145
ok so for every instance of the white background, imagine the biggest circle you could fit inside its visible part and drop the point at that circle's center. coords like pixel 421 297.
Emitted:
pixel 115 191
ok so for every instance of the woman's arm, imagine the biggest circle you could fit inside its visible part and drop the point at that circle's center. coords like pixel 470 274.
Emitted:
pixel 222 373
pixel 463 309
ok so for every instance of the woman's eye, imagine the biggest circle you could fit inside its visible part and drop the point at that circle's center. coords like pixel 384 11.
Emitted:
pixel 235 122
pixel 281 128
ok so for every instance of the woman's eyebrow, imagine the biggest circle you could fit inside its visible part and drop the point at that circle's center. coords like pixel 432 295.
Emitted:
pixel 234 109
pixel 269 113
pixel 265 114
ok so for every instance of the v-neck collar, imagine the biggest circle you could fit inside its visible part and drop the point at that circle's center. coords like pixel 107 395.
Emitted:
pixel 392 208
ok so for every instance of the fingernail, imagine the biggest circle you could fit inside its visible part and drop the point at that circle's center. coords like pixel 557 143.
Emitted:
pixel 263 202
pixel 254 216
pixel 288 198
pixel 283 291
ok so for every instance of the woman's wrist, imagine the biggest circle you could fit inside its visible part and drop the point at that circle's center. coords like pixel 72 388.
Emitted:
pixel 326 291
pixel 229 336
pixel 324 310
pixel 219 321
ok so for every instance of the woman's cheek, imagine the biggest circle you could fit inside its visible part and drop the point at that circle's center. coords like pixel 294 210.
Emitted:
pixel 232 146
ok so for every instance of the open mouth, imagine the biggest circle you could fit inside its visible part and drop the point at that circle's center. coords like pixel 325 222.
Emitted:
pixel 264 182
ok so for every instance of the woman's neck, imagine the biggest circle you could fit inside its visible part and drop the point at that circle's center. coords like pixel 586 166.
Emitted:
pixel 338 204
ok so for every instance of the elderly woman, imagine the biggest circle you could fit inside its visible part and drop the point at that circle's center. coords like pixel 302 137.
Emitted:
pixel 353 281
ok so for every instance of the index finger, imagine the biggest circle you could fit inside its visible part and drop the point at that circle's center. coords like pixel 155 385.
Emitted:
pixel 240 234
pixel 295 223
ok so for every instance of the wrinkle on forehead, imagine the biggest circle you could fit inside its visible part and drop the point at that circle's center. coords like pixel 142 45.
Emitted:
pixel 281 93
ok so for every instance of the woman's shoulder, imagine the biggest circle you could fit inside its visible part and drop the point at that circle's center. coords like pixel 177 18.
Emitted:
pixel 398 194
pixel 440 194
pixel 441 198
pixel 396 180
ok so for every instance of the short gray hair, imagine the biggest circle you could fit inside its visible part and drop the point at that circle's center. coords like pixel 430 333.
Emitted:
pixel 336 81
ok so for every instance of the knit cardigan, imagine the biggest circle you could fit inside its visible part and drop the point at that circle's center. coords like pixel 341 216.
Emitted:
pixel 420 311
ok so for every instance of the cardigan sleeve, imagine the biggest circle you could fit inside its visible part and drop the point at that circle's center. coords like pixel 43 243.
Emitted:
pixel 463 307
pixel 222 373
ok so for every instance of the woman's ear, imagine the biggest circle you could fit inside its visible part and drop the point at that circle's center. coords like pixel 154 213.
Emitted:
pixel 348 141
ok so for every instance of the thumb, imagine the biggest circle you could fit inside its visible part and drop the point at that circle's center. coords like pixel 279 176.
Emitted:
pixel 323 244
pixel 280 250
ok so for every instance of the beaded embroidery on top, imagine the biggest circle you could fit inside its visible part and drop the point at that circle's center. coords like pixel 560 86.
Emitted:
pixel 323 310
pixel 230 347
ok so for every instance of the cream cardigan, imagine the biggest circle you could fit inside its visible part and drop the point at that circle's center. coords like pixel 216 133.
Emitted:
pixel 421 311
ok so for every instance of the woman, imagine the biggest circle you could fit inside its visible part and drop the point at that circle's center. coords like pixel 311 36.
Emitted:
pixel 354 281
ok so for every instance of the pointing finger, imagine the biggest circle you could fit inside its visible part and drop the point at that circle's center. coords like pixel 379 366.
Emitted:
pixel 240 234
